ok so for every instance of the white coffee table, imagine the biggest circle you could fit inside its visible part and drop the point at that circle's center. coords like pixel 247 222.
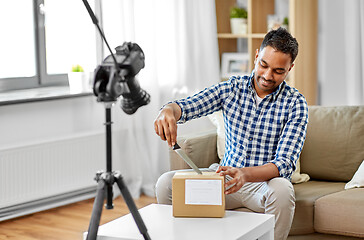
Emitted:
pixel 162 225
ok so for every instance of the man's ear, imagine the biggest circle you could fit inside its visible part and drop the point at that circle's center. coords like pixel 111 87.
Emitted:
pixel 256 56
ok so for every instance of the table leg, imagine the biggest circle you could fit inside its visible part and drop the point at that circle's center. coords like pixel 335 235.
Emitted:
pixel 268 235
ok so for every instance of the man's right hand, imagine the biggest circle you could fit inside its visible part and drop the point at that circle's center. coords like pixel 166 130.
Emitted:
pixel 165 125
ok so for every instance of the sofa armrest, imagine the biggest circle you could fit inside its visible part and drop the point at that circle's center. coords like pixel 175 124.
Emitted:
pixel 200 147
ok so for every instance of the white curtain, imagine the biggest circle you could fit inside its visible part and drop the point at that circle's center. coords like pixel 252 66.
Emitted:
pixel 341 52
pixel 179 40
pixel 354 46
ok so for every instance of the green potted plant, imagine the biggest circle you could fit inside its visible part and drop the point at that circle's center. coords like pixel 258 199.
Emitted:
pixel 238 20
pixel 77 79
pixel 77 68
pixel 285 23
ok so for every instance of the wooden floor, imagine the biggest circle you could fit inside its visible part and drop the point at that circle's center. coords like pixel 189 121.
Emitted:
pixel 68 222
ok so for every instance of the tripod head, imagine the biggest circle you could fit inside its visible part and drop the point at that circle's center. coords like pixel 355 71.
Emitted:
pixel 116 75
pixel 111 82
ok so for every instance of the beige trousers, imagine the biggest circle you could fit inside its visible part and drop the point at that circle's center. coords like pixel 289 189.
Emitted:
pixel 275 196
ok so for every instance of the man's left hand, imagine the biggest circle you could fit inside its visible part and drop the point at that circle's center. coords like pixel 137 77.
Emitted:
pixel 238 175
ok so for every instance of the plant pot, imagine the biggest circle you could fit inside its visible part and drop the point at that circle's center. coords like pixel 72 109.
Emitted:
pixel 239 25
pixel 78 82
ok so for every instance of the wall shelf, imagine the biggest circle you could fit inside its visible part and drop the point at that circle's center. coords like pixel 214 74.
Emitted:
pixel 302 25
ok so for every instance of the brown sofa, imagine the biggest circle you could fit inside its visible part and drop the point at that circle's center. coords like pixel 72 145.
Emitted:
pixel 332 153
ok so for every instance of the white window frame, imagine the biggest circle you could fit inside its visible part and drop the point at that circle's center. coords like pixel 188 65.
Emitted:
pixel 41 78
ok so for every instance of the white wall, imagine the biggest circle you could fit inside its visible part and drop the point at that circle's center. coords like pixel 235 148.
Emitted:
pixel 27 123
pixel 33 123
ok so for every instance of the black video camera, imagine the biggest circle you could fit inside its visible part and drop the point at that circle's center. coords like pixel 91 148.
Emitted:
pixel 115 78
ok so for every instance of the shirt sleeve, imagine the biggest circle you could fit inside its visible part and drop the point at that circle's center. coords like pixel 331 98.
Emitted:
pixel 292 139
pixel 206 101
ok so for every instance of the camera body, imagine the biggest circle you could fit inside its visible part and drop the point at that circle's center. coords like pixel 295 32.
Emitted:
pixel 114 79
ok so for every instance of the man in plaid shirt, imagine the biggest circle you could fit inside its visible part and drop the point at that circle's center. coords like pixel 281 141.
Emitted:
pixel 265 126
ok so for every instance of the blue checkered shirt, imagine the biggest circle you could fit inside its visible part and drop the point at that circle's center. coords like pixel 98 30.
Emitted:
pixel 272 132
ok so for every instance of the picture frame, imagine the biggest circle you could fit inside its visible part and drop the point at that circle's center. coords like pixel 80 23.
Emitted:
pixel 234 64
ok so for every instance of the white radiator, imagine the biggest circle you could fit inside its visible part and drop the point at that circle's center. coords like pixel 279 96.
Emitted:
pixel 49 174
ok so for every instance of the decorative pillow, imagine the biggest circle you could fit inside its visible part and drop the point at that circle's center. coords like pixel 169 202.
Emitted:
pixel 297 176
pixel 358 178
pixel 218 120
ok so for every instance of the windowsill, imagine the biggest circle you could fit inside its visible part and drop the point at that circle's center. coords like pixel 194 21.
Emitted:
pixel 40 94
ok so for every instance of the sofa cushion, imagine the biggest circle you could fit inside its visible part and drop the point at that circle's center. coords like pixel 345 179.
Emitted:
pixel 306 195
pixel 341 213
pixel 320 236
pixel 334 143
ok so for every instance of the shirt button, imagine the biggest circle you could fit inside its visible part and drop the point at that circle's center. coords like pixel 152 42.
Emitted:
pixel 247 156
pixel 250 139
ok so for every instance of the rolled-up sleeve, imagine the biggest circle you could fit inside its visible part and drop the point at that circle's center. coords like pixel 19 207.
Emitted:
pixel 292 139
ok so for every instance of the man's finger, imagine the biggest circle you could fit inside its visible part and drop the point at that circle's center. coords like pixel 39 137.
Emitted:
pixel 157 130
pixel 161 133
pixel 233 189
pixel 173 134
pixel 222 169
pixel 167 134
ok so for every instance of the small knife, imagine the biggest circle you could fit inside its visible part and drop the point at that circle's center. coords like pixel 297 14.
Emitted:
pixel 185 158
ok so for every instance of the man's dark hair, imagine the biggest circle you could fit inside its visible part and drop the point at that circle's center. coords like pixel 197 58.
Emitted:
pixel 281 40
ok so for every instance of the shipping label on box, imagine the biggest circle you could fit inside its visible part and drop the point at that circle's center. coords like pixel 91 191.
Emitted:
pixel 195 195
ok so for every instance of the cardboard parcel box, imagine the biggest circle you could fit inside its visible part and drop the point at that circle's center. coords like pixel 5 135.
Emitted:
pixel 195 195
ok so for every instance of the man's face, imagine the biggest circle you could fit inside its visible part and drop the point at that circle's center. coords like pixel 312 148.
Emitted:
pixel 271 68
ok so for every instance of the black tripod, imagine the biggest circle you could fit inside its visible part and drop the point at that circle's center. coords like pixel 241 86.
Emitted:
pixel 106 181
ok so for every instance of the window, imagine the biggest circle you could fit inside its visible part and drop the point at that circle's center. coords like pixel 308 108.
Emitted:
pixel 43 39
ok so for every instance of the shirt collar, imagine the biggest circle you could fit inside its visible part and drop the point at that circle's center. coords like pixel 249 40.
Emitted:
pixel 273 94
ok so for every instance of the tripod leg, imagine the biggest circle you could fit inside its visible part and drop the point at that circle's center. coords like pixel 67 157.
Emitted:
pixel 109 197
pixel 96 211
pixel 132 208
